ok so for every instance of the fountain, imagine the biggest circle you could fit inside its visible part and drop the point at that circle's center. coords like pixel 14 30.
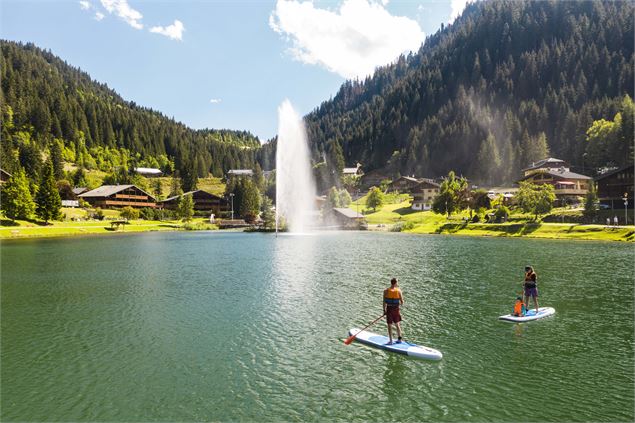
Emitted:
pixel 295 187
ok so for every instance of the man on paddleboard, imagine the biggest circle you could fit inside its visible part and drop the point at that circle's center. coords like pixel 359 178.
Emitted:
pixel 392 300
pixel 530 287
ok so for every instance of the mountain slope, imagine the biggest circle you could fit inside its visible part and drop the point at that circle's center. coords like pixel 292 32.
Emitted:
pixel 43 98
pixel 507 83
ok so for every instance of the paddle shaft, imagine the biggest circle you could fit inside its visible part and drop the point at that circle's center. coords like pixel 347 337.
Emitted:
pixel 352 337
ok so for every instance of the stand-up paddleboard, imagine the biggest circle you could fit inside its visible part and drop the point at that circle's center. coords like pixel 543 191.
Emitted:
pixel 530 315
pixel 406 348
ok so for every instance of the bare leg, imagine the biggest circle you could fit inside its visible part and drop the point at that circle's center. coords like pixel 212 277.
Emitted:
pixel 390 332
pixel 399 330
pixel 536 303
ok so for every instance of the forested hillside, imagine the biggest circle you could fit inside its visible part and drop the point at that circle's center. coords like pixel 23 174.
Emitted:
pixel 508 83
pixel 49 105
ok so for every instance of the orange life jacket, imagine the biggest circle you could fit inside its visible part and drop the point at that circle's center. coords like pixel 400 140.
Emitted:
pixel 518 308
pixel 392 296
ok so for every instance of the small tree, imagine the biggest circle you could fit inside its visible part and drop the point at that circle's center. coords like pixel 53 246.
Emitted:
pixel 535 199
pixel 248 200
pixel 129 213
pixel 185 208
pixel 48 201
pixel 332 199
pixel 591 203
pixel 375 198
pixel 345 198
pixel 268 216
pixel 16 201
pixel 453 195
pixel 158 188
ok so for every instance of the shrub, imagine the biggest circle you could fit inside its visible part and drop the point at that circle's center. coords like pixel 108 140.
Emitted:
pixel 501 214
pixel 402 226
pixel 129 213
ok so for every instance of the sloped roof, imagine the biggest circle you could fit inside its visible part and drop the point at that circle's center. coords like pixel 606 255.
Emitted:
pixel 108 190
pixel 613 172
pixel 79 190
pixel 189 193
pixel 550 161
pixel 240 172
pixel 564 174
pixel 148 170
pixel 351 214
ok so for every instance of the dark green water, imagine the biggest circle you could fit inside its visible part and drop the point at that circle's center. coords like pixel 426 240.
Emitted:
pixel 247 327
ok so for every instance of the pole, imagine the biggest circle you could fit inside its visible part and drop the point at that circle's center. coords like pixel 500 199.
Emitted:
pixel 231 195
pixel 625 210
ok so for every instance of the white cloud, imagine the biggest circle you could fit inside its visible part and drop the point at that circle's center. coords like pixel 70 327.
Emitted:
pixel 84 4
pixel 99 16
pixel 174 31
pixel 458 6
pixel 352 41
pixel 122 9
pixel 215 100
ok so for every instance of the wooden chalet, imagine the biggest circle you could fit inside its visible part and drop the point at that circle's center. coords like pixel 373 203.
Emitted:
pixel 353 171
pixel 569 187
pixel 612 186
pixel 203 201
pixel 546 165
pixel 404 184
pixel 345 218
pixel 423 194
pixel 4 176
pixel 107 196
pixel 372 179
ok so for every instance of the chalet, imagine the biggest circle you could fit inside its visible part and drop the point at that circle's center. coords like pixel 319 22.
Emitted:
pixel 107 196
pixel 352 171
pixel 373 178
pixel 404 184
pixel 4 176
pixel 346 218
pixel 546 165
pixel 612 186
pixel 233 173
pixel 203 201
pixel 148 172
pixel 423 194
pixel 568 186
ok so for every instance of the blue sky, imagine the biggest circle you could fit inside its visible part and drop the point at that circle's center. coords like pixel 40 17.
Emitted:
pixel 226 64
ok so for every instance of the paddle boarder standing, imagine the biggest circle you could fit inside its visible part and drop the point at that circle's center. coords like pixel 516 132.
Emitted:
pixel 392 300
pixel 530 286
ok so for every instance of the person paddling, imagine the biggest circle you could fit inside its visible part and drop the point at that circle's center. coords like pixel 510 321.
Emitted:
pixel 393 299
pixel 530 286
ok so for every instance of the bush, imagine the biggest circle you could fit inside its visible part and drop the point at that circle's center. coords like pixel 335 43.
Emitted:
pixel 148 213
pixel 129 213
pixel 501 214
pixel 402 226
pixel 98 214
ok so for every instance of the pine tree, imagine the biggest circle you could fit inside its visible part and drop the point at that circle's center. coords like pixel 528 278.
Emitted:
pixel 48 201
pixel 56 159
pixel 185 207
pixel 268 215
pixel 591 203
pixel 16 201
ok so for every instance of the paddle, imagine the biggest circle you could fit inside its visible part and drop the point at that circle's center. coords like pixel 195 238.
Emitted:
pixel 352 337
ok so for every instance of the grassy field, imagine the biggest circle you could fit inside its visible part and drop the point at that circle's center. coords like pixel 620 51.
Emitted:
pixel 28 229
pixel 397 211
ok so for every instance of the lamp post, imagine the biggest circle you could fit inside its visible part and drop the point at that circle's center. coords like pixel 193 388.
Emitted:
pixel 231 196
pixel 626 208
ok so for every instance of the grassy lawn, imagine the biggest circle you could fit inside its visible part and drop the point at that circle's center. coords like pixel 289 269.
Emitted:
pixel 427 222
pixel 29 229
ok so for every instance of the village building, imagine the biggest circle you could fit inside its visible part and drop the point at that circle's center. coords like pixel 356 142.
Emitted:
pixel 203 201
pixel 569 187
pixel 148 172
pixel 4 176
pixel 107 196
pixel 423 194
pixel 545 165
pixel 233 173
pixel 373 178
pixel 345 218
pixel 612 187
pixel 353 171
pixel 404 184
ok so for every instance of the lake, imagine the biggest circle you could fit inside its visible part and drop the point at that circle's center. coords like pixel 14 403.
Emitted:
pixel 218 326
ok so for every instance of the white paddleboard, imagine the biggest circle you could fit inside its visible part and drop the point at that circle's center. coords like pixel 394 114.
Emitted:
pixel 406 348
pixel 530 315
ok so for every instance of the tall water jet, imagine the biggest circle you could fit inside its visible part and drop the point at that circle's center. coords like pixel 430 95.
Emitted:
pixel 295 186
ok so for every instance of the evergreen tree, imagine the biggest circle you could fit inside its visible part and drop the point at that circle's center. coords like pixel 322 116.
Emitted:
pixel 56 159
pixel 247 200
pixel 332 199
pixel 345 198
pixel 48 201
pixel 591 203
pixel 268 215
pixel 16 201
pixel 185 207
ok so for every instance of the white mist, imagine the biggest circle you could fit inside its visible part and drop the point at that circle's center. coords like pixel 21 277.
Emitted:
pixel 295 187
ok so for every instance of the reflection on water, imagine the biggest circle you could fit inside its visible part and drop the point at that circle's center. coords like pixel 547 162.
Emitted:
pixel 249 327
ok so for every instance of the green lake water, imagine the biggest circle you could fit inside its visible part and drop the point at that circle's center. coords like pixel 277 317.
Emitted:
pixel 213 326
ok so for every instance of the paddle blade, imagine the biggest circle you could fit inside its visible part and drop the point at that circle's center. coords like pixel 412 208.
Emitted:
pixel 349 339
